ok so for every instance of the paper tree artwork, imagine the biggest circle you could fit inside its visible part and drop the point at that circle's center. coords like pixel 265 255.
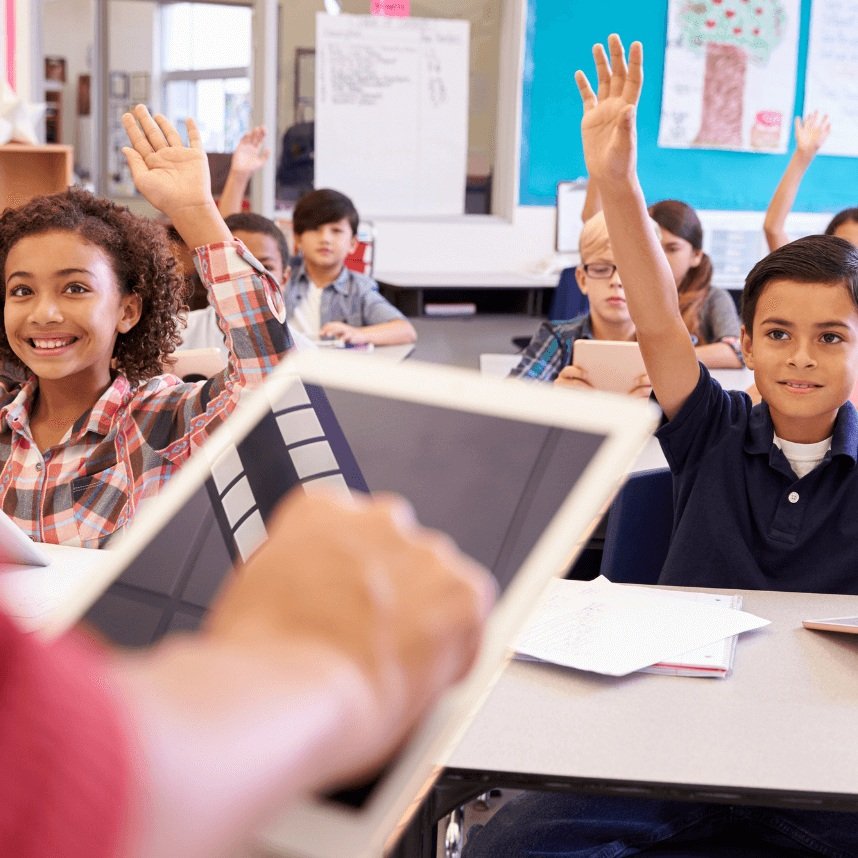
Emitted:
pixel 736 59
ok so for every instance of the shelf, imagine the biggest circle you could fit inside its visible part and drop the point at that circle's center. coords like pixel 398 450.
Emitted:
pixel 29 171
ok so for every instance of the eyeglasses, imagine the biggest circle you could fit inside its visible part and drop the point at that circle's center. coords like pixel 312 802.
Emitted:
pixel 599 270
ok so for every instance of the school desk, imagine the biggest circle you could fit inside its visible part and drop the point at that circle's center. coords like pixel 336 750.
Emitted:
pixel 411 290
pixel 779 731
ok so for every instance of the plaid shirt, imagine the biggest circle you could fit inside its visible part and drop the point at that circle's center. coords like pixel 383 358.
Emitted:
pixel 130 442
pixel 352 298
pixel 551 348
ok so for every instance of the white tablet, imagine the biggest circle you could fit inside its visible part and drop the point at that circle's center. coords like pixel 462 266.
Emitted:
pixel 515 475
pixel 16 548
pixel 846 625
pixel 611 365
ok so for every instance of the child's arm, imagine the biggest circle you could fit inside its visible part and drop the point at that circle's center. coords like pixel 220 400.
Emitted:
pixel 610 149
pixel 173 177
pixel 393 333
pixel 247 158
pixel 592 201
pixel 809 136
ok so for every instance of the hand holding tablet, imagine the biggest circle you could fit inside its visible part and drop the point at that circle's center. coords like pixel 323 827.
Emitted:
pixel 609 365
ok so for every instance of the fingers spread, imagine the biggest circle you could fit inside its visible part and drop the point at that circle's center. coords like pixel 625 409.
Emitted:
pixel 195 139
pixel 618 65
pixel 588 97
pixel 634 75
pixel 154 135
pixel 135 135
pixel 168 130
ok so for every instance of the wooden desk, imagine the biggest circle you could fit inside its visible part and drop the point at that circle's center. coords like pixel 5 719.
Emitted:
pixel 409 290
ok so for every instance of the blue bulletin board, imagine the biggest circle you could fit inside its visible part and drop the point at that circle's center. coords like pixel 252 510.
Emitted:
pixel 559 39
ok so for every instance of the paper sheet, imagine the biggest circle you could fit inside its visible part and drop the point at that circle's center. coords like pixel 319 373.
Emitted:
pixel 616 629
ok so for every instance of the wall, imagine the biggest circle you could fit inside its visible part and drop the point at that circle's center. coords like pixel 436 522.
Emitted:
pixel 559 39
pixel 298 30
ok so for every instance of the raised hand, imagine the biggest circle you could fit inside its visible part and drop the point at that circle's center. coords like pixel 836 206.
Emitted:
pixel 171 176
pixel 811 133
pixel 249 156
pixel 608 127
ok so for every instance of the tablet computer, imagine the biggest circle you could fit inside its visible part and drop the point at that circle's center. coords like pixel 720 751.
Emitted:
pixel 847 625
pixel 610 364
pixel 515 475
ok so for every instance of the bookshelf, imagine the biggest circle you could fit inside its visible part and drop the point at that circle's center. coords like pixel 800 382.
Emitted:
pixel 28 171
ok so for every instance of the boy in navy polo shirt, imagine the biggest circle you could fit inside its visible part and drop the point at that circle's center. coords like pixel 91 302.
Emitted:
pixel 766 497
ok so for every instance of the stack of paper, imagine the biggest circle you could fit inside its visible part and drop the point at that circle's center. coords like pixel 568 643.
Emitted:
pixel 617 629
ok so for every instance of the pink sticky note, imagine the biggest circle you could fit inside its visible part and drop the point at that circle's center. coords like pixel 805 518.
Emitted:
pixel 391 8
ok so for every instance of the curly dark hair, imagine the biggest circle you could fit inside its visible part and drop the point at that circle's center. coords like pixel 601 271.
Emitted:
pixel 140 256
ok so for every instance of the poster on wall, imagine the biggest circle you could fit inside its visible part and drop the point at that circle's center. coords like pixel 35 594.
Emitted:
pixel 392 112
pixel 831 78
pixel 729 75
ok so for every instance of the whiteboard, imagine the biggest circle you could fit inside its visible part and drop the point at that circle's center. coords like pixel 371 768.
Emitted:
pixel 570 204
pixel 392 112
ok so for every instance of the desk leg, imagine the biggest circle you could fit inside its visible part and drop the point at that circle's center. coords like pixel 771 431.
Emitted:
pixel 420 839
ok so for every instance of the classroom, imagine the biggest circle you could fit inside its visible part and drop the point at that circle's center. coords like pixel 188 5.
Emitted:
pixel 666 235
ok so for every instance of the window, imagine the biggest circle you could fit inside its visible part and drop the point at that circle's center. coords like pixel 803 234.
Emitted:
pixel 205 51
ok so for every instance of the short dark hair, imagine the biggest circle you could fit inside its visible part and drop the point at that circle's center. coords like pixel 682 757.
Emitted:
pixel 320 207
pixel 142 261
pixel 252 222
pixel 824 259
pixel 845 216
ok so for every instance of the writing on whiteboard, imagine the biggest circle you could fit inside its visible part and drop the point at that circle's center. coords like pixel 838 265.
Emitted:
pixel 392 112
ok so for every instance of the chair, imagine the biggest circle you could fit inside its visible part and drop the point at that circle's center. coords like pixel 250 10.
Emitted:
pixel 567 301
pixel 640 523
pixel 362 258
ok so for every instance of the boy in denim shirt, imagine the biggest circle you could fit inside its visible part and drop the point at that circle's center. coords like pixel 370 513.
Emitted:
pixel 324 299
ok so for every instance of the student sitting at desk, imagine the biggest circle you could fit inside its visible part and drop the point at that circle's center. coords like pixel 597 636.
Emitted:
pixel 708 312
pixel 90 296
pixel 766 496
pixel 265 240
pixel 326 300
pixel 550 354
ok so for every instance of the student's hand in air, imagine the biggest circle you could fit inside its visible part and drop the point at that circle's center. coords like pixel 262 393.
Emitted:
pixel 399 608
pixel 811 133
pixel 573 377
pixel 344 332
pixel 249 156
pixel 608 124
pixel 171 176
pixel 642 387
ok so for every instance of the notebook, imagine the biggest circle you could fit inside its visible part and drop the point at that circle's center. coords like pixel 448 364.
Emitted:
pixel 517 473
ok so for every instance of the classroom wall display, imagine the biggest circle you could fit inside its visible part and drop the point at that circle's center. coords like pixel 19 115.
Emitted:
pixel 831 81
pixel 559 39
pixel 392 112
pixel 729 74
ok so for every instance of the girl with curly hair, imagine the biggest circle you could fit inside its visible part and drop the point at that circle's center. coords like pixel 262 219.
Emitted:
pixel 90 296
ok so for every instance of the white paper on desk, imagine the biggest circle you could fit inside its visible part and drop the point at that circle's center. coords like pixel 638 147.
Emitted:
pixel 616 629
pixel 30 594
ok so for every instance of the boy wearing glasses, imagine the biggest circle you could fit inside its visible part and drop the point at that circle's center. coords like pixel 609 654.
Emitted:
pixel 550 354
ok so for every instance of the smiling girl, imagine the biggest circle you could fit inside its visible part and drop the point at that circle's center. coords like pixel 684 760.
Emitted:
pixel 90 294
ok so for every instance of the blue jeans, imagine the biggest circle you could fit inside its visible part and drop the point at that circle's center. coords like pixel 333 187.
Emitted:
pixel 570 825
